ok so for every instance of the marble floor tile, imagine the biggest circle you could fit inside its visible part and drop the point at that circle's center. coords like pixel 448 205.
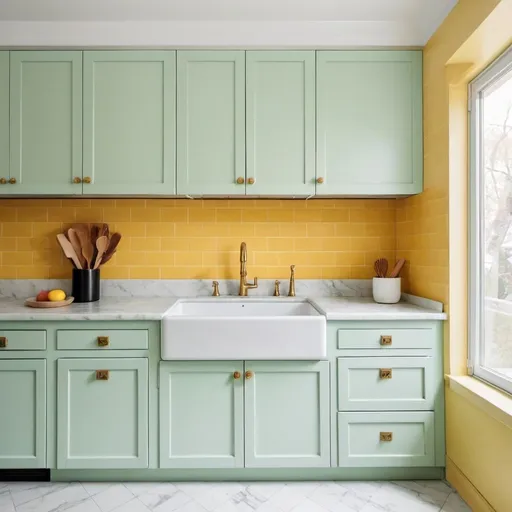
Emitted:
pixel 112 497
pixel 336 498
pixel 455 503
pixel 6 503
pixel 56 498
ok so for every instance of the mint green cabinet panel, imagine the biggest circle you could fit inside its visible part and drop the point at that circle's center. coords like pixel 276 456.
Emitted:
pixel 22 340
pixel 102 423
pixel 287 414
pixel 129 122
pixel 409 441
pixel 201 415
pixel 23 413
pixel 372 338
pixel 369 122
pixel 281 122
pixel 385 383
pixel 4 119
pixel 211 122
pixel 46 122
pixel 103 339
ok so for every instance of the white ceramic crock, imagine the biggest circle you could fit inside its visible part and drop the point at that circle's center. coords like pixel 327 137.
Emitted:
pixel 387 290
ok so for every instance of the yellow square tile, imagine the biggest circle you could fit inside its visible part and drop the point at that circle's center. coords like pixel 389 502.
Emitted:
pixel 116 215
pixel 281 244
pixel 174 215
pixel 201 215
pixel 294 230
pixel 131 203
pixel 145 244
pixel 160 229
pixel 350 258
pixel 320 204
pixel 188 259
pixel 64 214
pixel 110 272
pixel 28 214
pixel 241 230
pixel 203 244
pixel 33 272
pixel 309 215
pixel 17 258
pixel 128 229
pixel 60 272
pixel 321 229
pixel 145 214
pixel 254 215
pixel 8 214
pixel 7 272
pixel 176 244
pixel 127 258
pixel 89 215
pixel 46 228
pixel 336 215
pixel 144 273
pixel 103 203
pixel 266 229
pixel 76 203
pixel 364 244
pixel 17 229
pixel 281 215
pixel 308 244
pixel 228 215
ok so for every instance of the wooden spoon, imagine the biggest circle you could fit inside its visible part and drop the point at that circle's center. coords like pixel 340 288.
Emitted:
pixel 101 245
pixel 114 242
pixel 104 231
pixel 397 268
pixel 77 247
pixel 381 267
pixel 68 249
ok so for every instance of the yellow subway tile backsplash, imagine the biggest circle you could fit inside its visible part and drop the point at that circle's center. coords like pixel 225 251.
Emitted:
pixel 184 239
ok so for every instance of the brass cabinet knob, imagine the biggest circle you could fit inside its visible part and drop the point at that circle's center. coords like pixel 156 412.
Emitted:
pixel 251 181
pixel 87 180
pixel 386 436
pixel 249 375
pixel 12 181
pixel 3 342
pixel 103 341
pixel 386 340
pixel 237 375
pixel 102 374
pixel 3 181
pixel 76 179
pixel 240 180
pixel 320 180
pixel 386 373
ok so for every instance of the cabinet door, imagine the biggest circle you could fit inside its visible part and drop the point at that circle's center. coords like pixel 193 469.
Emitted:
pixel 46 122
pixel 129 122
pixel 23 413
pixel 201 415
pixel 211 122
pixel 369 122
pixel 102 413
pixel 287 414
pixel 281 122
pixel 4 121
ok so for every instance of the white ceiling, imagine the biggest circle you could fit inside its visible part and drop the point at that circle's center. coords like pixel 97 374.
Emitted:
pixel 418 18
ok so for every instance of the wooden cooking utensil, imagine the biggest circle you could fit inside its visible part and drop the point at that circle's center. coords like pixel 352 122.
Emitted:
pixel 104 231
pixel 68 249
pixel 101 246
pixel 77 247
pixel 88 253
pixel 397 268
pixel 114 242
pixel 381 267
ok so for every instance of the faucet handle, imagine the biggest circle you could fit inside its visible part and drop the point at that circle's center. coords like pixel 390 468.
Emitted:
pixel 277 293
pixel 215 286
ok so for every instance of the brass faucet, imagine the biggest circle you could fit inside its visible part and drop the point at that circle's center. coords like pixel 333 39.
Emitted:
pixel 244 285
pixel 291 291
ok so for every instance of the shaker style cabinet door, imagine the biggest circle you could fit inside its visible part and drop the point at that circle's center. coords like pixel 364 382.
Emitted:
pixel 369 123
pixel 23 413
pixel 4 122
pixel 102 413
pixel 287 414
pixel 45 123
pixel 211 123
pixel 201 414
pixel 280 123
pixel 129 122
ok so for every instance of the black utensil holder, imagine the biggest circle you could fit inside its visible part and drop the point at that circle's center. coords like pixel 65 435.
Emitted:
pixel 86 285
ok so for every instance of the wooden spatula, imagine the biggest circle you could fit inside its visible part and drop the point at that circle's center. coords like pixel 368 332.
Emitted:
pixel 77 247
pixel 397 268
pixel 114 242
pixel 101 246
pixel 68 250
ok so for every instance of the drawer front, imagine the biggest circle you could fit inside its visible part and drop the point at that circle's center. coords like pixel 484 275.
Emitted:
pixel 382 338
pixel 22 340
pixel 104 339
pixel 386 439
pixel 385 383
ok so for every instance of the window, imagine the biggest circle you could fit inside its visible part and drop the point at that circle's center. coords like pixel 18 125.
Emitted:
pixel 491 224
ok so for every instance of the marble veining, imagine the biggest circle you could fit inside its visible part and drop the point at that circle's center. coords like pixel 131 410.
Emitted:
pixel 400 496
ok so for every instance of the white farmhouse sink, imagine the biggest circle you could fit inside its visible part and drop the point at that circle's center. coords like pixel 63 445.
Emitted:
pixel 243 328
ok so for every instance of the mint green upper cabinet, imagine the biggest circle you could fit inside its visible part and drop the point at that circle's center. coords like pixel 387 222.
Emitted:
pixel 211 122
pixel 281 122
pixel 4 121
pixel 201 414
pixel 129 122
pixel 46 122
pixel 369 122
pixel 102 418
pixel 287 414
pixel 22 413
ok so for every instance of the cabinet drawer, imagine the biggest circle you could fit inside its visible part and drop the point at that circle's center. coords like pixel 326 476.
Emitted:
pixel 102 340
pixel 385 439
pixel 382 338
pixel 385 383
pixel 22 340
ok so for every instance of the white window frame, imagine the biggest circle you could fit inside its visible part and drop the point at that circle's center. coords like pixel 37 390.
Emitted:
pixel 489 78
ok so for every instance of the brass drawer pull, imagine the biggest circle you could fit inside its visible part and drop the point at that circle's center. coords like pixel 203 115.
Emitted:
pixel 103 341
pixel 249 375
pixel 102 374
pixel 3 342
pixel 386 373
pixel 237 375
pixel 386 340
pixel 386 436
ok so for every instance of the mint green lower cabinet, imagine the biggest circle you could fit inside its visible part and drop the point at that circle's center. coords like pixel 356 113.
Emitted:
pixel 4 120
pixel 22 413
pixel 386 439
pixel 287 414
pixel 201 414
pixel 102 413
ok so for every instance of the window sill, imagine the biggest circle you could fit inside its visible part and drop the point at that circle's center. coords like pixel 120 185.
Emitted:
pixel 495 403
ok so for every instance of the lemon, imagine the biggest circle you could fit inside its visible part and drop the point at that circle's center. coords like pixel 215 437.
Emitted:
pixel 56 295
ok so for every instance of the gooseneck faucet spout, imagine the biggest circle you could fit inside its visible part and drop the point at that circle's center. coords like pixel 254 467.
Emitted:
pixel 244 285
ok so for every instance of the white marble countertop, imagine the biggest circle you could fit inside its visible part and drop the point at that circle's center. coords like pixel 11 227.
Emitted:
pixel 146 308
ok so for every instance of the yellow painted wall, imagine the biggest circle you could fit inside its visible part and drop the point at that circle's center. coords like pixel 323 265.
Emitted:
pixel 181 239
pixel 431 234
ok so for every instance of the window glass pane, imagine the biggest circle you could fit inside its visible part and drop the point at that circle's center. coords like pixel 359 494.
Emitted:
pixel 496 351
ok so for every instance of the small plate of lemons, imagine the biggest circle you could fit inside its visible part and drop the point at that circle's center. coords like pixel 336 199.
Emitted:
pixel 49 299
